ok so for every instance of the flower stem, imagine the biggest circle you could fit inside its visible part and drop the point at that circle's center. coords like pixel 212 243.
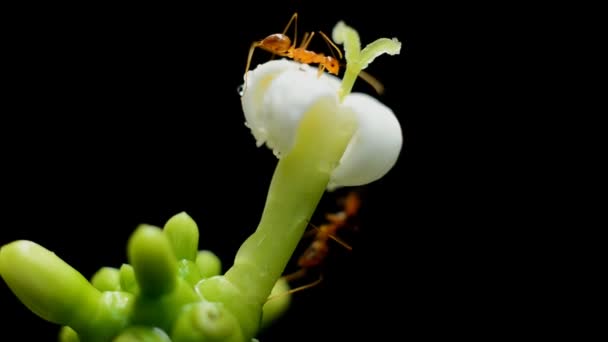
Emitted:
pixel 298 183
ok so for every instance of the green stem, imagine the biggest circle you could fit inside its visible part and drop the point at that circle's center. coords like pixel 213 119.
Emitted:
pixel 357 59
pixel 298 183
pixel 350 76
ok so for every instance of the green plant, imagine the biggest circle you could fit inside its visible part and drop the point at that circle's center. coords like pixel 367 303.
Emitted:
pixel 324 136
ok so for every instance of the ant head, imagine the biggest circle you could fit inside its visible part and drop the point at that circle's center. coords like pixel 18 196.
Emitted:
pixel 276 43
pixel 332 65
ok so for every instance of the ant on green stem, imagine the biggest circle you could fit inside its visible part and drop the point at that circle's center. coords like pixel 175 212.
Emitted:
pixel 317 251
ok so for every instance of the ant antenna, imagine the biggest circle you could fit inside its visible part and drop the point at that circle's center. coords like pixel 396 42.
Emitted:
pixel 331 45
pixel 251 49
pixel 372 81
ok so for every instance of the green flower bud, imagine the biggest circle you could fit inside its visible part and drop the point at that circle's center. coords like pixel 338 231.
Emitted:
pixel 182 232
pixel 277 304
pixel 246 309
pixel 67 334
pixel 113 315
pixel 206 321
pixel 153 261
pixel 127 279
pixel 208 263
pixel 188 271
pixel 162 311
pixel 142 334
pixel 107 279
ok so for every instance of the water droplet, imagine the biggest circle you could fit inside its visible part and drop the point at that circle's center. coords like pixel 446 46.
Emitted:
pixel 240 90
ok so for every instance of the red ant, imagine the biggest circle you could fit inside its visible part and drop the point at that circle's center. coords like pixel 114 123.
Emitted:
pixel 280 44
pixel 316 253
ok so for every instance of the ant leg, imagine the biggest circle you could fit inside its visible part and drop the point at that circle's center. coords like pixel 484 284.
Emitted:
pixel 251 49
pixel 341 242
pixel 306 42
pixel 297 289
pixel 294 19
pixel 295 275
pixel 321 69
pixel 331 45
pixel 316 229
pixel 311 232
pixel 333 237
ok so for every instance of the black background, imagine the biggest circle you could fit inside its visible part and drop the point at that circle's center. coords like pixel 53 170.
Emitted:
pixel 124 115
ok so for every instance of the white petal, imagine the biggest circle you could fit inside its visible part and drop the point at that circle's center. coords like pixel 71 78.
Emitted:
pixel 280 92
pixel 374 148
pixel 283 93
pixel 254 88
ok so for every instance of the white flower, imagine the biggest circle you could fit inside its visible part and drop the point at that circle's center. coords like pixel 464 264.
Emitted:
pixel 278 93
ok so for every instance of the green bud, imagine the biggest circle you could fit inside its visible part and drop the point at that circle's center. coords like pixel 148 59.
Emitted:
pixel 162 311
pixel 67 334
pixel 277 304
pixel 208 263
pixel 206 321
pixel 142 334
pixel 182 232
pixel 113 315
pixel 188 271
pixel 247 310
pixel 47 285
pixel 153 260
pixel 107 279
pixel 127 279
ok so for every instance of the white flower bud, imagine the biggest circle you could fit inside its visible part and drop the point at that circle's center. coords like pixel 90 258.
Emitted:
pixel 278 93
